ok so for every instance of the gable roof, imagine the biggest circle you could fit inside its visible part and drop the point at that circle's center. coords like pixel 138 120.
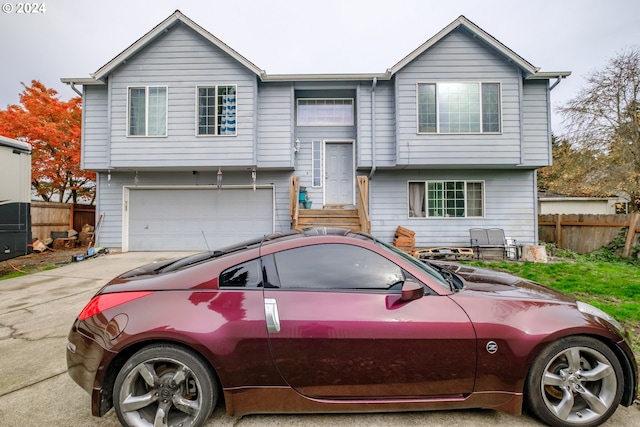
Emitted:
pixel 529 71
pixel 174 19
pixel 477 32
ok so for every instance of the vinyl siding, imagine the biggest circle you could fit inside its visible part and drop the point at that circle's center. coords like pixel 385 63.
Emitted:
pixel 95 128
pixel 304 156
pixel 111 195
pixel 509 204
pixel 182 60
pixel 308 134
pixel 384 125
pixel 458 57
pixel 275 125
pixel 535 124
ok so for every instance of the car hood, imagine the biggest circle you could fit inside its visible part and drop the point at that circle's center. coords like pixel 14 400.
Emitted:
pixel 489 283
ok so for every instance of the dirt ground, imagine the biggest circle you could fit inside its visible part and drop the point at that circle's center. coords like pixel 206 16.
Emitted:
pixel 35 262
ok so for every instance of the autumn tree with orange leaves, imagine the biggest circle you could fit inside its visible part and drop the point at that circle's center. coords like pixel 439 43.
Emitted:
pixel 52 128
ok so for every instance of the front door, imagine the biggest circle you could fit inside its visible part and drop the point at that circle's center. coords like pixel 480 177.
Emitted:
pixel 339 180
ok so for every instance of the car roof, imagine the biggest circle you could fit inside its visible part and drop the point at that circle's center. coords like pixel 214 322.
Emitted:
pixel 269 243
pixel 316 232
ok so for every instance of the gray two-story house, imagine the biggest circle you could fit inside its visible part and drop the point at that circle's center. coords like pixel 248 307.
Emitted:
pixel 195 146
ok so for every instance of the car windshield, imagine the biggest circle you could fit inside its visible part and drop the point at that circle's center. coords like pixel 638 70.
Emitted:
pixel 435 275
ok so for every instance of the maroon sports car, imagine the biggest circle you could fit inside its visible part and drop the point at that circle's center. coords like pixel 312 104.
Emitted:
pixel 336 321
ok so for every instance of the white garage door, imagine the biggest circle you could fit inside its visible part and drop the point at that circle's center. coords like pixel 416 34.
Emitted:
pixel 179 219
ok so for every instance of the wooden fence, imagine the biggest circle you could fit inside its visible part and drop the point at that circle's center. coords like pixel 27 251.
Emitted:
pixel 47 217
pixel 583 233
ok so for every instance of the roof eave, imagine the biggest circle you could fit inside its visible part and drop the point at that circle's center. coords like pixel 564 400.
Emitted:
pixel 546 75
pixel 83 81
pixel 323 77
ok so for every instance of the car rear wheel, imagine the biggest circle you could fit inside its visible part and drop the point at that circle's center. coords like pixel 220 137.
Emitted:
pixel 576 381
pixel 164 385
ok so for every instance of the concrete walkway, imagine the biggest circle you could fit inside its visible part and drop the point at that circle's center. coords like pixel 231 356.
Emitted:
pixel 36 312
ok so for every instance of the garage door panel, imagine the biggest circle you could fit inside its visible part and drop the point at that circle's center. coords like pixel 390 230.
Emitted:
pixel 179 219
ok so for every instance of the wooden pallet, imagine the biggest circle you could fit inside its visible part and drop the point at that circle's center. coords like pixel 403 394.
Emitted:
pixel 444 252
pixel 401 231
pixel 405 239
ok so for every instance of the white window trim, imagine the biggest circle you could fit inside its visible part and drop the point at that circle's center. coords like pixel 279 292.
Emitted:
pixel 146 116
pixel 326 99
pixel 437 132
pixel 426 199
pixel 197 114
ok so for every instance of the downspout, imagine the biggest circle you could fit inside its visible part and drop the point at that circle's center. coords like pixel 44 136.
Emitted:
pixel 521 118
pixel 536 211
pixel 556 83
pixel 73 87
pixel 373 127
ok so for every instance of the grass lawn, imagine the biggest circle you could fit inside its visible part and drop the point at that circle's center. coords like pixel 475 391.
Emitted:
pixel 611 286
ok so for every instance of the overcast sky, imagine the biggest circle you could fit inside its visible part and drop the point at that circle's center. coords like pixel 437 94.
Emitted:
pixel 74 38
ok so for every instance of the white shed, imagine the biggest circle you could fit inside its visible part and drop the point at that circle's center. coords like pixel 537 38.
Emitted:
pixel 578 205
pixel 15 198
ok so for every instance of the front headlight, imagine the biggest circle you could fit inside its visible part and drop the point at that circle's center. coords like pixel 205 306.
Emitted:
pixel 596 312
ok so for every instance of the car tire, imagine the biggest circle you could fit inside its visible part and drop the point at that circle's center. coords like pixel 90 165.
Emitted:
pixel 575 381
pixel 165 382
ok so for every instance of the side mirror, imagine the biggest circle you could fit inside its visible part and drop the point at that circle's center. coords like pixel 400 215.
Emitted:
pixel 411 290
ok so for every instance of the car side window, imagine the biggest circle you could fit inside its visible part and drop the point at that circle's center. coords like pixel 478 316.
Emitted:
pixel 336 266
pixel 245 275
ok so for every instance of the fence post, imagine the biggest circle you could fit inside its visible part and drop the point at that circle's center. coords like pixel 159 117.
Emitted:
pixel 72 212
pixel 559 231
pixel 631 234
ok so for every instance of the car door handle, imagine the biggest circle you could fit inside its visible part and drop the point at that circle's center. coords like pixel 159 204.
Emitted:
pixel 271 314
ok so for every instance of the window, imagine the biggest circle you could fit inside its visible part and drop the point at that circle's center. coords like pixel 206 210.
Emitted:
pixel 246 275
pixel 147 111
pixel 336 266
pixel 459 108
pixel 325 112
pixel 317 163
pixel 217 110
pixel 440 199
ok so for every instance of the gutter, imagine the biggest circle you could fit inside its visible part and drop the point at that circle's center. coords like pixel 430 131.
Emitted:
pixel 83 81
pixel 559 75
pixel 374 83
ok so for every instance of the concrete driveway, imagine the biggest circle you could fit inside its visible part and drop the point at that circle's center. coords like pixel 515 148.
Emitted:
pixel 36 312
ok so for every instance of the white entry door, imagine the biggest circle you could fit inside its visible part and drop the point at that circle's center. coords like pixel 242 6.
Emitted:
pixel 339 180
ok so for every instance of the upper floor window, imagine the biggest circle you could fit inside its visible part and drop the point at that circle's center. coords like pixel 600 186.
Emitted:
pixel 459 108
pixel 217 110
pixel 325 112
pixel 450 199
pixel 147 111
